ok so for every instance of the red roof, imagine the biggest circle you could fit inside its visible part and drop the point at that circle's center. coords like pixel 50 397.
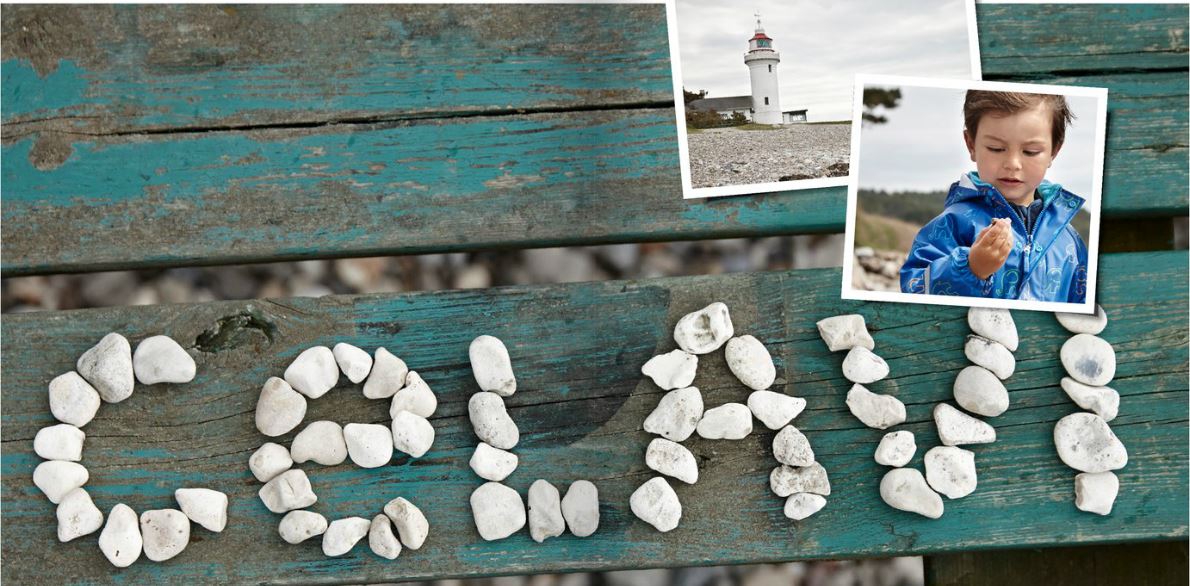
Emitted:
pixel 760 36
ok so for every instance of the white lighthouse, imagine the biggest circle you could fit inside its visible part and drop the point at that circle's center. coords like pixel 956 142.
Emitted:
pixel 762 63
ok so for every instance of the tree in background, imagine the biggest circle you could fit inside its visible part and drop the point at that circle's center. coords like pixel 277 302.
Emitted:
pixel 708 118
pixel 879 98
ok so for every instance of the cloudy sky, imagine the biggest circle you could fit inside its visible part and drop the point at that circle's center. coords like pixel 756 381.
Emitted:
pixel 921 146
pixel 823 44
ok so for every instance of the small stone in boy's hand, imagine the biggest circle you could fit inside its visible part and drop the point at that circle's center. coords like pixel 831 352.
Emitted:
pixel 991 248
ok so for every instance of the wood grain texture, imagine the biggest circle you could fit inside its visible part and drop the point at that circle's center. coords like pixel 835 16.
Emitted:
pixel 160 136
pixel 143 69
pixel 577 350
pixel 1118 564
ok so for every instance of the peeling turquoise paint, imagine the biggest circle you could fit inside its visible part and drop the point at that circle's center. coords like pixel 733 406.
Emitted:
pixel 25 93
pixel 411 161
pixel 463 73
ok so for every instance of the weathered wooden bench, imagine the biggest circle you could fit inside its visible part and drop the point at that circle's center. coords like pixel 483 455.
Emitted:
pixel 164 136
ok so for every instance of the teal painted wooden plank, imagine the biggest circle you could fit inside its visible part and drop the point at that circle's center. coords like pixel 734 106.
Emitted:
pixel 415 187
pixel 1041 40
pixel 98 69
pixel 577 350
pixel 78 203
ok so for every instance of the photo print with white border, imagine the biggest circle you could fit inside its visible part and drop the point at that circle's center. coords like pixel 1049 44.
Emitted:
pixel 763 91
pixel 1005 214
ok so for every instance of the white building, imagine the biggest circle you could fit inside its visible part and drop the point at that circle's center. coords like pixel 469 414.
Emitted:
pixel 762 61
pixel 764 105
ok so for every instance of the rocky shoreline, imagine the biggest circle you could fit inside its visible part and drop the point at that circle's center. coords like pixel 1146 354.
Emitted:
pixel 731 156
pixel 877 270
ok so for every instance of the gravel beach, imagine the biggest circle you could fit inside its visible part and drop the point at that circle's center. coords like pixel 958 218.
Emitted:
pixel 730 156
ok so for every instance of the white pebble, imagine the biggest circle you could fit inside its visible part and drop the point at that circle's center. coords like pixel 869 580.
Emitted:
pixel 1086 443
pixel 1081 323
pixel 676 415
pixel 491 365
pixel 896 449
pixel 492 463
pixel 288 491
pixel 951 471
pixel 159 359
pixel 844 332
pixel 705 330
pixel 580 508
pixel 775 410
pixel 120 541
pixel 59 442
pixel 787 480
pixel 863 366
pixel 313 372
pixel 320 441
pixel 994 324
pixel 166 532
pixel 415 397
pixel 342 535
pixel 979 391
pixel 1104 401
pixel 956 428
pixel 656 503
pixel 56 478
pixel 491 422
pixel 203 506
pixel 875 411
pixel 269 460
pixel 990 355
pixel 498 511
pixel 731 421
pixel 387 377
pixel 108 367
pixel 279 408
pixel 73 400
pixel 1089 360
pixel 298 526
pixel 750 362
pixel 369 445
pixel 905 489
pixel 672 459
pixel 355 363
pixel 803 504
pixel 545 511
pixel 381 538
pixel 77 515
pixel 673 370
pixel 411 434
pixel 791 447
pixel 411 524
pixel 1096 493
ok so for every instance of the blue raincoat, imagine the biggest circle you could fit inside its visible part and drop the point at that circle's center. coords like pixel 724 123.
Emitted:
pixel 1049 264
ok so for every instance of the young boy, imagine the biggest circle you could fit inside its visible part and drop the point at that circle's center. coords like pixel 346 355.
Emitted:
pixel 1005 232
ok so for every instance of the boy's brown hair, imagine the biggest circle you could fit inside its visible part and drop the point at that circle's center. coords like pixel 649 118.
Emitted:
pixel 980 102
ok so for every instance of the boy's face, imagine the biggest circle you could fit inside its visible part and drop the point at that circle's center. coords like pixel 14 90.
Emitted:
pixel 1013 151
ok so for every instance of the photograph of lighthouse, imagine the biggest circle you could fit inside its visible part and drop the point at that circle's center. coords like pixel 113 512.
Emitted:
pixel 766 87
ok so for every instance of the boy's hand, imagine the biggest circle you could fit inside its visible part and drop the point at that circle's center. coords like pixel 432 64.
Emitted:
pixel 991 248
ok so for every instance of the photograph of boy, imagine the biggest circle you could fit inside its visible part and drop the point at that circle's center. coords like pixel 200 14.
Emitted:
pixel 968 191
pixel 1005 231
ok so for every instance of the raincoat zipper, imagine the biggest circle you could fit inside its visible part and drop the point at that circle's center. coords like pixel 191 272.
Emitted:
pixel 1028 246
